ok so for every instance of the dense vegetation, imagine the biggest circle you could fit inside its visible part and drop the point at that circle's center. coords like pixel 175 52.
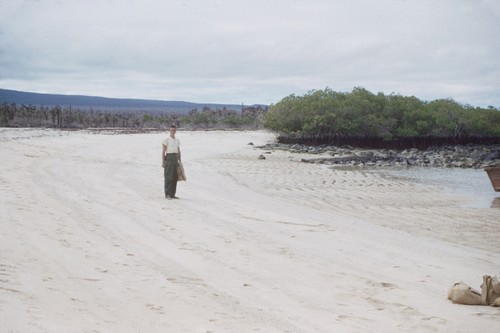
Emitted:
pixel 12 115
pixel 358 118
pixel 365 119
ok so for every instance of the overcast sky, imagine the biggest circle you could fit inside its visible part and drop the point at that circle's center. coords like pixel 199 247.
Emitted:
pixel 252 51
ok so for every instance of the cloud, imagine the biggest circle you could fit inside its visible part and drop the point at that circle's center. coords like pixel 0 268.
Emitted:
pixel 256 51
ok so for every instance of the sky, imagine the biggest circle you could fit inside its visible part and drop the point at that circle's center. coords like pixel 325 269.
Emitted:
pixel 252 51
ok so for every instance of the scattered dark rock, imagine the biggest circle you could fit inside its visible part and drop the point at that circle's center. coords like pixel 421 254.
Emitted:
pixel 461 156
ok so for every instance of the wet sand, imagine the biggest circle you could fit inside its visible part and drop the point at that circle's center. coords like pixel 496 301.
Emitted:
pixel 89 244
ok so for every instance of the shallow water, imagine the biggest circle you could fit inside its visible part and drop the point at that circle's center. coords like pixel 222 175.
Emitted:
pixel 473 183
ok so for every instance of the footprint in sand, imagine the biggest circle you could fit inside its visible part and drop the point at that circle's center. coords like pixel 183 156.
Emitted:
pixel 186 280
pixel 101 270
pixel 156 308
pixel 65 243
pixel 385 285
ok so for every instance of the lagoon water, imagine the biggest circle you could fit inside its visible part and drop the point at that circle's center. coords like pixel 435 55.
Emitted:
pixel 473 183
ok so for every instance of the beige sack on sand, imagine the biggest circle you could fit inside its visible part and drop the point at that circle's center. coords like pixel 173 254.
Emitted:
pixel 463 294
pixel 181 175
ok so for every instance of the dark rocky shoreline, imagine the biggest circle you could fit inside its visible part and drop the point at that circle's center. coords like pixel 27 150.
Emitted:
pixel 450 156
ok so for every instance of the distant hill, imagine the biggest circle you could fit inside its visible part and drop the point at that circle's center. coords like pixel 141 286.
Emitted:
pixel 105 103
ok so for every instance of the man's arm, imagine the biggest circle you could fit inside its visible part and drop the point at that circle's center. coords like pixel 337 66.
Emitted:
pixel 179 154
pixel 164 149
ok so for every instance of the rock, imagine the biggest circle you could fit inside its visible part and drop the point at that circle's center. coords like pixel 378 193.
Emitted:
pixel 468 156
pixel 491 156
pixel 411 161
pixel 262 157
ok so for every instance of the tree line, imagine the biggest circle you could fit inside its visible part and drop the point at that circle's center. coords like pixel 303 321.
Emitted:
pixel 362 118
pixel 358 118
pixel 12 115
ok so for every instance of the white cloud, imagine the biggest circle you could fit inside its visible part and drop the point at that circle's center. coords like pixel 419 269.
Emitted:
pixel 259 51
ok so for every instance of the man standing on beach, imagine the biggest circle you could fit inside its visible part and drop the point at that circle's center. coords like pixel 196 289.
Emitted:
pixel 170 157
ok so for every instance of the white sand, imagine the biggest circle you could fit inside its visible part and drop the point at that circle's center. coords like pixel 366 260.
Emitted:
pixel 89 244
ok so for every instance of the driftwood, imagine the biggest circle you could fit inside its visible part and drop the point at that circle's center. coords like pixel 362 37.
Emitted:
pixel 490 291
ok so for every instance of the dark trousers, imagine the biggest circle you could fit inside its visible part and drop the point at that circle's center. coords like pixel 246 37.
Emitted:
pixel 170 173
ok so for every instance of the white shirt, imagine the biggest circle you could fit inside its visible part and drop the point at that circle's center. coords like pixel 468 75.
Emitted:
pixel 172 145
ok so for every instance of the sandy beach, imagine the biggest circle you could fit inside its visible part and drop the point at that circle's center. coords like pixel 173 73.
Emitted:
pixel 89 243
